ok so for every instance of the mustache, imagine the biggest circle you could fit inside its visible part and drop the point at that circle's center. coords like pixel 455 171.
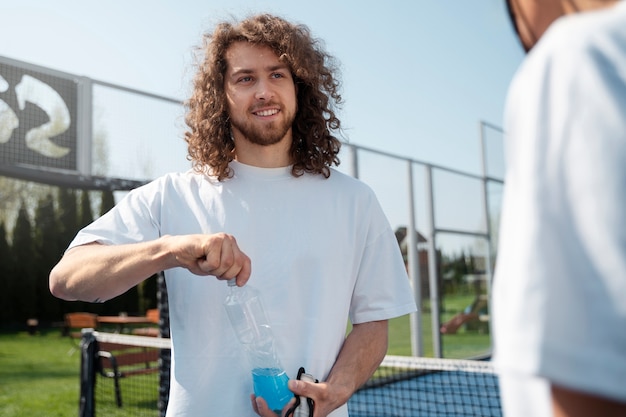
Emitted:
pixel 263 106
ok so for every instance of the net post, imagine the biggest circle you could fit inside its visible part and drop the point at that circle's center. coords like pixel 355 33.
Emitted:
pixel 165 357
pixel 88 350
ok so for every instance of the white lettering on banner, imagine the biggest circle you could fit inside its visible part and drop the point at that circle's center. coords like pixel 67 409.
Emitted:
pixel 8 118
pixel 8 122
pixel 38 139
pixel 34 91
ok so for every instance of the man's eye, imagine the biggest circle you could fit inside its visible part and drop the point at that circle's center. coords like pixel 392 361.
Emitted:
pixel 277 75
pixel 245 79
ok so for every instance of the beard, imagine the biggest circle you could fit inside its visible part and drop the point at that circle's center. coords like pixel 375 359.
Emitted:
pixel 264 134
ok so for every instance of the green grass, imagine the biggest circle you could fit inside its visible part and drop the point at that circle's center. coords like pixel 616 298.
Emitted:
pixel 135 399
pixel 39 375
pixel 463 344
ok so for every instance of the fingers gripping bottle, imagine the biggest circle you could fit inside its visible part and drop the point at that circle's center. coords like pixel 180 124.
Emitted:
pixel 247 317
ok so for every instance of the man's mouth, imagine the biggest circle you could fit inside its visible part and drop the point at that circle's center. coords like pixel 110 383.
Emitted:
pixel 265 113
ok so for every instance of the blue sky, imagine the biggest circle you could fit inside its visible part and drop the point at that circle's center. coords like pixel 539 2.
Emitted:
pixel 418 75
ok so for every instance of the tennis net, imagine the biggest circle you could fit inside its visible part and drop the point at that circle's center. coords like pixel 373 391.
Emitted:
pixel 401 387
pixel 123 375
pixel 415 386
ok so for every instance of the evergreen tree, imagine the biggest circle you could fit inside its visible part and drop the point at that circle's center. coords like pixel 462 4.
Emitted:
pixel 107 201
pixel 48 252
pixel 68 215
pixel 6 276
pixel 147 294
pixel 24 280
pixel 86 215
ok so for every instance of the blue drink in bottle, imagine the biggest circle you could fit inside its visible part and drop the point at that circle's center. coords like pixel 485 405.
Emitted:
pixel 248 319
pixel 271 385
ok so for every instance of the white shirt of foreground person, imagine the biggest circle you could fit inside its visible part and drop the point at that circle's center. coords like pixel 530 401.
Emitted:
pixel 560 285
pixel 322 251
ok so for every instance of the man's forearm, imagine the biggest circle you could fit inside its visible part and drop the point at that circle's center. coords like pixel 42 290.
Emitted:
pixel 96 273
pixel 362 352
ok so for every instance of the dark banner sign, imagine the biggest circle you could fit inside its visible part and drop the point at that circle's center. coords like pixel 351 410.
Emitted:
pixel 38 118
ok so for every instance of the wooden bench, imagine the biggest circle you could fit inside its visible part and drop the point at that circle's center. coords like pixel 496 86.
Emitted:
pixel 118 361
pixel 75 322
pixel 152 331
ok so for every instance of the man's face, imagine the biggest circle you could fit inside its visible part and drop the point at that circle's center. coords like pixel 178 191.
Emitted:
pixel 260 94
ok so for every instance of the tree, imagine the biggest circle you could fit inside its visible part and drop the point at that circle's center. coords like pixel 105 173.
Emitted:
pixel 47 252
pixel 6 275
pixel 68 215
pixel 107 202
pixel 9 200
pixel 13 193
pixel 86 216
pixel 24 280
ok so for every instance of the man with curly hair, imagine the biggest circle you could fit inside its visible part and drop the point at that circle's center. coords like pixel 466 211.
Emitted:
pixel 262 203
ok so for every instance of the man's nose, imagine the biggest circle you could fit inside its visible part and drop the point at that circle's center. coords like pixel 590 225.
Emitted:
pixel 264 90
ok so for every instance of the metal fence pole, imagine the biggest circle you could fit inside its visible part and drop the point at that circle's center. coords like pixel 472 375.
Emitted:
pixel 354 166
pixel 417 348
pixel 490 255
pixel 84 116
pixel 433 267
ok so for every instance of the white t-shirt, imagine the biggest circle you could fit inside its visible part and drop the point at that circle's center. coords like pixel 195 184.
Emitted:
pixel 322 251
pixel 559 299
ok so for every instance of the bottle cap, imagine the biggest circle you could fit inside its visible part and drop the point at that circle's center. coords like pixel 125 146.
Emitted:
pixel 232 282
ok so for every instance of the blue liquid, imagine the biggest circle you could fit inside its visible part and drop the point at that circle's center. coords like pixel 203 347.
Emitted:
pixel 271 385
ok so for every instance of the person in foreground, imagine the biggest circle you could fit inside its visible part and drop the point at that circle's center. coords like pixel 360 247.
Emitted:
pixel 264 204
pixel 559 298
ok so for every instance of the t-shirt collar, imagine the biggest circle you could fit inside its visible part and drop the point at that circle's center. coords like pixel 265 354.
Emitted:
pixel 258 173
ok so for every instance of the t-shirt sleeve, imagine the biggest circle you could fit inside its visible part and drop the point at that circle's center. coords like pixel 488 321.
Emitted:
pixel 134 219
pixel 382 289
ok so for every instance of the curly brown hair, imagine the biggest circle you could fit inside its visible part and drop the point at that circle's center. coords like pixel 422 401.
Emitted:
pixel 314 148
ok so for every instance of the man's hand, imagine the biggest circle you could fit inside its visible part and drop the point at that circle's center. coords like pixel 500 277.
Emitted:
pixel 326 400
pixel 260 407
pixel 217 254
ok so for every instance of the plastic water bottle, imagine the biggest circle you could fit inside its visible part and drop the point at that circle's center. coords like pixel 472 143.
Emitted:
pixel 248 319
